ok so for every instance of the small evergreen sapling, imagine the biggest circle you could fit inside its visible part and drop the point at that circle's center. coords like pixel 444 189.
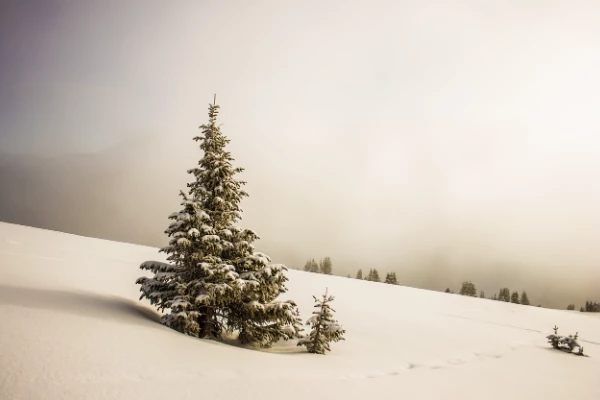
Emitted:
pixel 324 328
pixel 553 339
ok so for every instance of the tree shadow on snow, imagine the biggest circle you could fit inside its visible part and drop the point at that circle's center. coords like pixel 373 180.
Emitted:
pixel 113 308
pixel 86 304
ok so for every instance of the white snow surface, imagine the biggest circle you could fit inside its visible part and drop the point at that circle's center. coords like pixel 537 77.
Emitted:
pixel 71 327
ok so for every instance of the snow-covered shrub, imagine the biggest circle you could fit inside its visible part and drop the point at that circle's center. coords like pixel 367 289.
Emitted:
pixel 324 329
pixel 565 343
pixel 553 339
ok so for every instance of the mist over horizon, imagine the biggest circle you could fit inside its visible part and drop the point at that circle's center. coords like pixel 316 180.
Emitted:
pixel 444 143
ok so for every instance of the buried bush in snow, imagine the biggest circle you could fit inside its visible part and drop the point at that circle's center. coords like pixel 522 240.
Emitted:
pixel 565 343
pixel 324 328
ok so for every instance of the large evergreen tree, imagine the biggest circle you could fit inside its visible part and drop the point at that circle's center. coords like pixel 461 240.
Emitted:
pixel 359 274
pixel 324 328
pixel 214 280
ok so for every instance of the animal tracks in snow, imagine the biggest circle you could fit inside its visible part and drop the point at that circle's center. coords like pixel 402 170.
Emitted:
pixel 491 322
pixel 434 365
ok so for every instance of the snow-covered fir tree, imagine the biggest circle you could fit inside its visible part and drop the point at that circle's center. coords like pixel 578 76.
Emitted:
pixel 214 280
pixel 359 274
pixel 390 278
pixel 324 329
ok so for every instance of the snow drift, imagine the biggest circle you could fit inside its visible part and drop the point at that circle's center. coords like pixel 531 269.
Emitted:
pixel 71 327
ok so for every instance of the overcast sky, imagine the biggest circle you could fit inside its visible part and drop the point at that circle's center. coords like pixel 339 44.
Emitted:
pixel 393 134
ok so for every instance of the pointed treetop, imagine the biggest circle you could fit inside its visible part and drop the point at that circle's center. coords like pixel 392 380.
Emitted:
pixel 213 111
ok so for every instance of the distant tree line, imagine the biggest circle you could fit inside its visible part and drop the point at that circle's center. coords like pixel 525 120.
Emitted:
pixel 468 288
pixel 373 276
pixel 590 306
pixel 325 266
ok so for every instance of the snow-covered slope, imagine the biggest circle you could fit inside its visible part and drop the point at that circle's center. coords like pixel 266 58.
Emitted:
pixel 71 328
